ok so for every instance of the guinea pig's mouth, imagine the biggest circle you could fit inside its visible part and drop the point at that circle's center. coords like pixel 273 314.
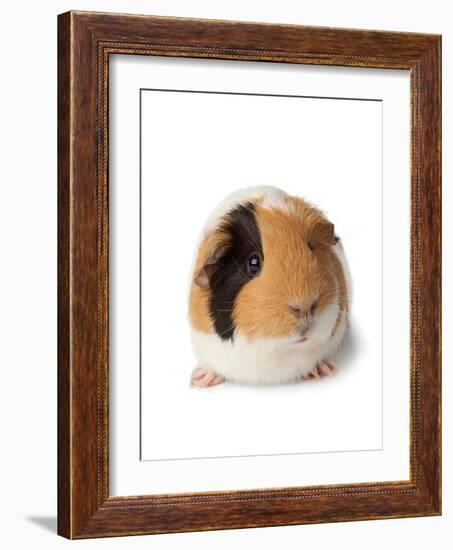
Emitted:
pixel 301 340
pixel 302 336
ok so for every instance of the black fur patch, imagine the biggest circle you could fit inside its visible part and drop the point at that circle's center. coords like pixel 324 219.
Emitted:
pixel 231 273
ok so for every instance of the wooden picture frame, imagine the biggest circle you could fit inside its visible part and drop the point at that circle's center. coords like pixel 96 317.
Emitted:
pixel 85 42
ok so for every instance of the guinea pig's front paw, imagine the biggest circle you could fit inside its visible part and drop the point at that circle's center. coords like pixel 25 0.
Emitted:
pixel 205 378
pixel 322 369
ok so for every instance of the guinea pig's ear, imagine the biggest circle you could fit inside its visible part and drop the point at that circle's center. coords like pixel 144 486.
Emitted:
pixel 203 276
pixel 322 235
pixel 211 251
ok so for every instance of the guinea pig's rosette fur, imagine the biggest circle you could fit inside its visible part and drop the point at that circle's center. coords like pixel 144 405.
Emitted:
pixel 270 291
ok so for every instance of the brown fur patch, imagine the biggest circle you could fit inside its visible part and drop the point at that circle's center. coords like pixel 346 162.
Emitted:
pixel 298 268
pixel 337 269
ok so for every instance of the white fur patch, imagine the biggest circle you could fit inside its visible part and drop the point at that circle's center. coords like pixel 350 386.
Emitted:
pixel 266 360
pixel 272 197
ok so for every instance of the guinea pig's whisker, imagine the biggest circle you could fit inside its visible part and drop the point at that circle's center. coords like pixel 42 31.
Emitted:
pixel 332 291
pixel 252 240
pixel 240 269
pixel 339 286
pixel 333 275
pixel 331 272
pixel 224 332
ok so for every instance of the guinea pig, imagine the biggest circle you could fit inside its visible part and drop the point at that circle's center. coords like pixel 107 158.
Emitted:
pixel 270 291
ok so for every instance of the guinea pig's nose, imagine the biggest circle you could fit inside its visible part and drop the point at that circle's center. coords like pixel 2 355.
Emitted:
pixel 299 310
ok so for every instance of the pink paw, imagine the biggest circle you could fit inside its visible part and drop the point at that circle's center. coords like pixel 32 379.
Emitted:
pixel 205 378
pixel 322 369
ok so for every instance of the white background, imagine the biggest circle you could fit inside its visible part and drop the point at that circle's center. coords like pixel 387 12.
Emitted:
pixel 28 290
pixel 329 150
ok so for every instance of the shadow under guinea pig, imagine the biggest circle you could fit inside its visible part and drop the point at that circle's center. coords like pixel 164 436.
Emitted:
pixel 347 350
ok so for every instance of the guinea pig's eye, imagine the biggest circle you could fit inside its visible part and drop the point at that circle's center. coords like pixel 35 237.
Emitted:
pixel 254 265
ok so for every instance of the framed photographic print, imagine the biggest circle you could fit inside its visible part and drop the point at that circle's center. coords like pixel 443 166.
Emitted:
pixel 249 275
